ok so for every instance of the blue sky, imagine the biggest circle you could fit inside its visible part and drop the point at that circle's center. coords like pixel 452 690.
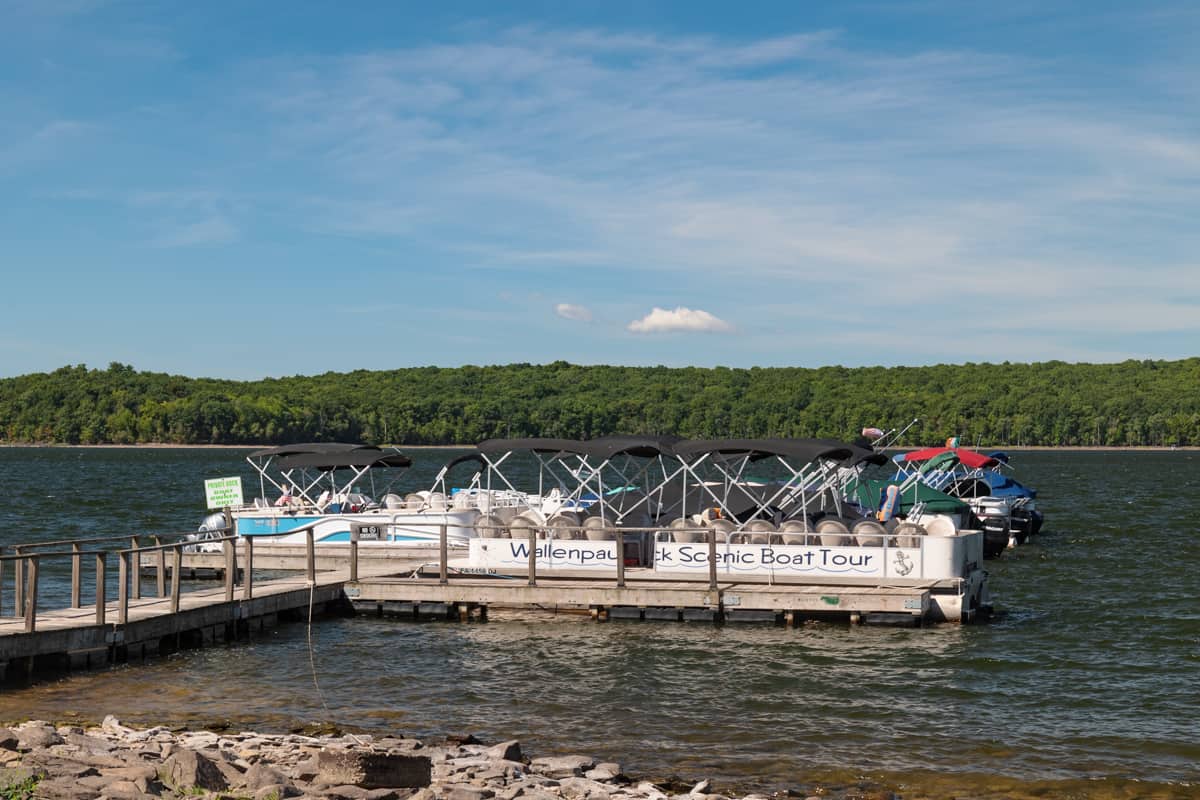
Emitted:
pixel 243 190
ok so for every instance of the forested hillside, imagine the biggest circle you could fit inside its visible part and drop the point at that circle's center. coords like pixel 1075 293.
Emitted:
pixel 1052 403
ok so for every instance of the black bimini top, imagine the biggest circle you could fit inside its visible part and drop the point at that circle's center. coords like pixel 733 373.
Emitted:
pixel 308 447
pixel 328 456
pixel 607 447
pixel 534 443
pixel 756 449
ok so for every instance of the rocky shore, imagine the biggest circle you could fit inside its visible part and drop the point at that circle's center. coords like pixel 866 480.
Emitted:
pixel 40 760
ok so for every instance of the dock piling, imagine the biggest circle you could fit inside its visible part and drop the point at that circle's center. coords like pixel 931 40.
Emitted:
pixel 160 567
pixel 76 578
pixel 353 553
pixel 230 569
pixel 18 583
pixel 533 556
pixel 101 601
pixel 443 556
pixel 620 558
pixel 176 568
pixel 137 573
pixel 31 600
pixel 122 587
pixel 712 559
pixel 248 569
pixel 311 557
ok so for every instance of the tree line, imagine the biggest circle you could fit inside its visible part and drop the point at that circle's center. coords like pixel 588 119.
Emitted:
pixel 1051 403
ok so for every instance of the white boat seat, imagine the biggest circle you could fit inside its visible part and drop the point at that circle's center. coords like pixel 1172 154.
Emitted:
pixel 908 535
pixel 869 533
pixel 833 533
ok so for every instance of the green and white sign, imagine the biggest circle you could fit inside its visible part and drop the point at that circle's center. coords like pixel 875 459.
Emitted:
pixel 222 492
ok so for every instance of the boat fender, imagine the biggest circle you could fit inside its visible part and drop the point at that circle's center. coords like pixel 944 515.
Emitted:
pixel 891 499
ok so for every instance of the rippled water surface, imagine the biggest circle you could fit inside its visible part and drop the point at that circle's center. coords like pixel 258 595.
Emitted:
pixel 1087 683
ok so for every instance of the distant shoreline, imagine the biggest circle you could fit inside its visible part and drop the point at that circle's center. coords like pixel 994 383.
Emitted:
pixel 993 447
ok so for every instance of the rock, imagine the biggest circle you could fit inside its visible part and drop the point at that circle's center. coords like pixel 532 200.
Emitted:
pixel 15 776
pixel 702 787
pixel 66 789
pixel 562 766
pixel 505 751
pixel 347 792
pixel 58 766
pixel 395 743
pixel 8 739
pixel 272 791
pixel 373 770
pixel 648 789
pixel 141 775
pixel 87 744
pixel 113 725
pixel 388 794
pixel 583 789
pixel 462 792
pixel 119 790
pixel 260 775
pixel 187 769
pixel 606 771
pixel 37 736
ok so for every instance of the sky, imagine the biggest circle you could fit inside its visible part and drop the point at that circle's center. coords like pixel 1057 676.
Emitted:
pixel 246 190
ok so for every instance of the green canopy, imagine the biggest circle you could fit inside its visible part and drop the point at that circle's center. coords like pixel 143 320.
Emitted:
pixel 868 492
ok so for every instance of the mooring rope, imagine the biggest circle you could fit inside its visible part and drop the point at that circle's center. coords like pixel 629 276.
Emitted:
pixel 312 662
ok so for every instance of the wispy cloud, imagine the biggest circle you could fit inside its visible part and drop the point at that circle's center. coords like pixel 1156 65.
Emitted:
pixel 211 231
pixel 681 320
pixel 573 312
pixel 45 143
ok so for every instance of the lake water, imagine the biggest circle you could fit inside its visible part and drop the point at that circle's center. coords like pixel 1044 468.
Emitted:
pixel 1086 684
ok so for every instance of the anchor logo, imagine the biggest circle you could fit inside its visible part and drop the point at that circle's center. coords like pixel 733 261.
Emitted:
pixel 904 564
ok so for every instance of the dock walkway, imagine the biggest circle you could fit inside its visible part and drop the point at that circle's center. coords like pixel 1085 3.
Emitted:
pixel 36 640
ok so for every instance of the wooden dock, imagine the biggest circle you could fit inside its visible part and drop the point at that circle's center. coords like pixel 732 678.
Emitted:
pixel 683 599
pixel 35 641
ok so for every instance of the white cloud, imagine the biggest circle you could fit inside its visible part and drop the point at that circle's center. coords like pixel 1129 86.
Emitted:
pixel 681 319
pixel 572 311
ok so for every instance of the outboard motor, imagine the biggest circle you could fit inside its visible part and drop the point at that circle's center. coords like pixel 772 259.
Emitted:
pixel 213 527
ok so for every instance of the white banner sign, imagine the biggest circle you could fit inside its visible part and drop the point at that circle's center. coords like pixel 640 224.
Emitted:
pixel 222 492
pixel 507 554
pixel 750 559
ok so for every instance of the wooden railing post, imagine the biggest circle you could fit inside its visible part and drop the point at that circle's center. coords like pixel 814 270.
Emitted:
pixel 137 569
pixel 712 559
pixel 353 553
pixel 311 556
pixel 123 586
pixel 443 556
pixel 1 583
pixel 248 569
pixel 620 557
pixel 176 568
pixel 533 556
pixel 31 599
pixel 18 583
pixel 101 600
pixel 76 577
pixel 230 569
pixel 160 571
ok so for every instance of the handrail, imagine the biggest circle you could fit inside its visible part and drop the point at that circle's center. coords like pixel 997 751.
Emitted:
pixel 27 573
pixel 83 539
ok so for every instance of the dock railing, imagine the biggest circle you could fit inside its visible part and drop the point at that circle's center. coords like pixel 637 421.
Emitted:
pixel 27 558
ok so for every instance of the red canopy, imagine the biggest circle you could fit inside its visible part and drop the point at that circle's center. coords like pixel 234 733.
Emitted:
pixel 969 458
